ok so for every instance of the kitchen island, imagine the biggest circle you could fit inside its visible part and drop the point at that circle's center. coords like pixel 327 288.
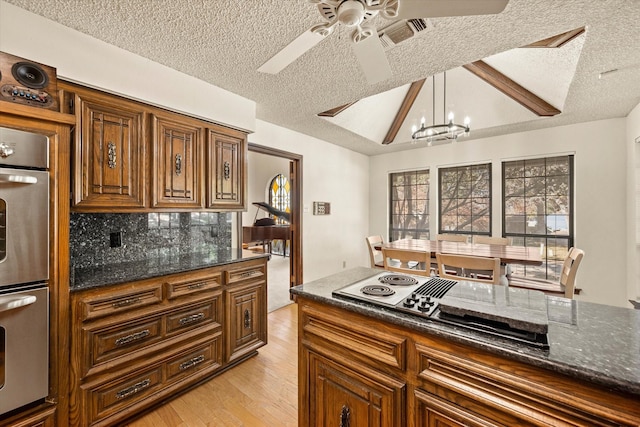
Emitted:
pixel 368 365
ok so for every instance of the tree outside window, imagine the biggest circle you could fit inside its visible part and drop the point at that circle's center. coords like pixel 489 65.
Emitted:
pixel 538 210
pixel 465 199
pixel 409 205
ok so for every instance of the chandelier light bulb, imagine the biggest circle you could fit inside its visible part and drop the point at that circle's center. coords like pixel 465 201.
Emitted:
pixel 450 116
pixel 422 122
pixel 467 121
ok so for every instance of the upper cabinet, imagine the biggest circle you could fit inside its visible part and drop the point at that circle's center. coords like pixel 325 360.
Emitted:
pixel 133 157
pixel 226 157
pixel 177 164
pixel 109 153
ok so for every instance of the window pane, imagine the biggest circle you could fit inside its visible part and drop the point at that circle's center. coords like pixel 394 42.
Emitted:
pixel 409 204
pixel 465 195
pixel 542 218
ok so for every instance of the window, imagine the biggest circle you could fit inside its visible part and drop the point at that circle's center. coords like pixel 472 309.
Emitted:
pixel 409 205
pixel 538 210
pixel 465 199
pixel 280 198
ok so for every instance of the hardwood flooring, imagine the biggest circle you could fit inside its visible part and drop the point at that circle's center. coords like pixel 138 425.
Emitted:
pixel 260 392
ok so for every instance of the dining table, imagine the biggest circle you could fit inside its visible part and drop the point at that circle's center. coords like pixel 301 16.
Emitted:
pixel 508 254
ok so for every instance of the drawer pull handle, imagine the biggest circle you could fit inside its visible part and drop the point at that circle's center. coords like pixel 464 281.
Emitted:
pixel 191 319
pixel 192 362
pixel 126 302
pixel 133 337
pixel 136 388
pixel 111 155
pixel 250 273
pixel 197 285
pixel 345 416
pixel 247 318
pixel 178 164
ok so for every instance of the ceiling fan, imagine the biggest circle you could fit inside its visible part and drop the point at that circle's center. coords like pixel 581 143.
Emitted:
pixel 366 44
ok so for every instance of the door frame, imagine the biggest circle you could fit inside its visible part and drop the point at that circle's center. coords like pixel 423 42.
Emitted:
pixel 295 225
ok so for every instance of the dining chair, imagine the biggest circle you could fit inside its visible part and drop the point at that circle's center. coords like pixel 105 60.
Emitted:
pixel 490 240
pixel 375 256
pixel 567 283
pixel 485 270
pixel 460 238
pixel 407 261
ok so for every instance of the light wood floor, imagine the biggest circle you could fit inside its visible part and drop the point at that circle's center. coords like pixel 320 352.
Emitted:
pixel 262 391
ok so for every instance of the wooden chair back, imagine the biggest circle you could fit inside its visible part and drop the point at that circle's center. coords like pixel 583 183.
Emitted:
pixel 407 261
pixel 486 267
pixel 460 238
pixel 375 256
pixel 490 240
pixel 569 271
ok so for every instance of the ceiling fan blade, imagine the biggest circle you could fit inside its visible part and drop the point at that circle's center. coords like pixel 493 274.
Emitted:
pixel 291 52
pixel 409 9
pixel 372 59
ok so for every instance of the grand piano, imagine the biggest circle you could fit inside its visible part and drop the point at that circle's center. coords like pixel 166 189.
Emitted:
pixel 264 230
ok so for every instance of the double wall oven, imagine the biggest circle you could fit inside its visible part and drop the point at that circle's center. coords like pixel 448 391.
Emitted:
pixel 24 268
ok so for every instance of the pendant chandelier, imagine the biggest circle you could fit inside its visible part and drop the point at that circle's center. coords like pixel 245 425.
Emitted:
pixel 449 131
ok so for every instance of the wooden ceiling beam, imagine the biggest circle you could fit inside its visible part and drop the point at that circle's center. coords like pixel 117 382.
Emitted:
pixel 512 89
pixel 335 111
pixel 558 40
pixel 401 115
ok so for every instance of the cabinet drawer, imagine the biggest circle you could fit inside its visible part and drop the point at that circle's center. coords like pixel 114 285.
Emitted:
pixel 195 316
pixel 208 356
pixel 250 273
pixel 120 302
pixel 180 289
pixel 371 345
pixel 110 398
pixel 110 343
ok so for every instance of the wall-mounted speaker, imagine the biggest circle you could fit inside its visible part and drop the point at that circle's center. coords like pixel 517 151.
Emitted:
pixel 28 83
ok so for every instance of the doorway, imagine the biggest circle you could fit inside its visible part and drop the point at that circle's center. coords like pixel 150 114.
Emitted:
pixel 295 275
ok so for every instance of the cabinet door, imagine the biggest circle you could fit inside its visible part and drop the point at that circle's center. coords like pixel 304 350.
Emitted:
pixel 109 168
pixel 226 154
pixel 176 164
pixel 343 397
pixel 246 325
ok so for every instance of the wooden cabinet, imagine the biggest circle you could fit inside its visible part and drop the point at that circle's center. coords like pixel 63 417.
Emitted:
pixel 246 302
pixel 193 164
pixel 177 163
pixel 226 158
pixel 138 343
pixel 109 154
pixel 371 373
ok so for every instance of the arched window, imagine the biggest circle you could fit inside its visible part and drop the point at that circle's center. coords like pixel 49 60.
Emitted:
pixel 280 198
pixel 280 195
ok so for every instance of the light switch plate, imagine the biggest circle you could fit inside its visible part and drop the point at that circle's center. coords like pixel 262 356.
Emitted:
pixel 321 208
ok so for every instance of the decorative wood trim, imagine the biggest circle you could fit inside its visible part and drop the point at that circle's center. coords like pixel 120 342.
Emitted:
pixel 401 115
pixel 512 89
pixel 557 40
pixel 335 111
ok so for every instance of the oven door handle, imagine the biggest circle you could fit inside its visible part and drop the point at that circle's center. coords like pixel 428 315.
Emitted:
pixel 18 179
pixel 7 304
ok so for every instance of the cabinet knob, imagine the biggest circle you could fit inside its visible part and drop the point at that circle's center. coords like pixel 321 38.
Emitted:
pixel 178 164
pixel 247 318
pixel 111 155
pixel 5 150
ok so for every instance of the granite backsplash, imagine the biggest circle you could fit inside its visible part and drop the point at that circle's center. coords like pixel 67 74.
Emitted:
pixel 145 235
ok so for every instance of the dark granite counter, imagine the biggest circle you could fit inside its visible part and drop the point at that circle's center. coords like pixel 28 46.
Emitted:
pixel 593 342
pixel 111 274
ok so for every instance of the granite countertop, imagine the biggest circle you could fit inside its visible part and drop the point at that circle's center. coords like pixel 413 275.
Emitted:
pixel 111 274
pixel 593 342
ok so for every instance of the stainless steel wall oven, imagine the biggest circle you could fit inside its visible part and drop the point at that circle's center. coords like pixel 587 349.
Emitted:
pixel 24 268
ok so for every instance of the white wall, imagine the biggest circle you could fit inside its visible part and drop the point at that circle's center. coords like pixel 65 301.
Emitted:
pixel 633 204
pixel 600 186
pixel 329 174
pixel 84 59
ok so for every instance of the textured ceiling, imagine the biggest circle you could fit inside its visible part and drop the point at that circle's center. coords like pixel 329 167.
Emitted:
pixel 223 42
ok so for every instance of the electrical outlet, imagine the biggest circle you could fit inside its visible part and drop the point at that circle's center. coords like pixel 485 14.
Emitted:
pixel 115 239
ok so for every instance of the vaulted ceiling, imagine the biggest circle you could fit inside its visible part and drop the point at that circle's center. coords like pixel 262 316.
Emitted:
pixel 224 42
